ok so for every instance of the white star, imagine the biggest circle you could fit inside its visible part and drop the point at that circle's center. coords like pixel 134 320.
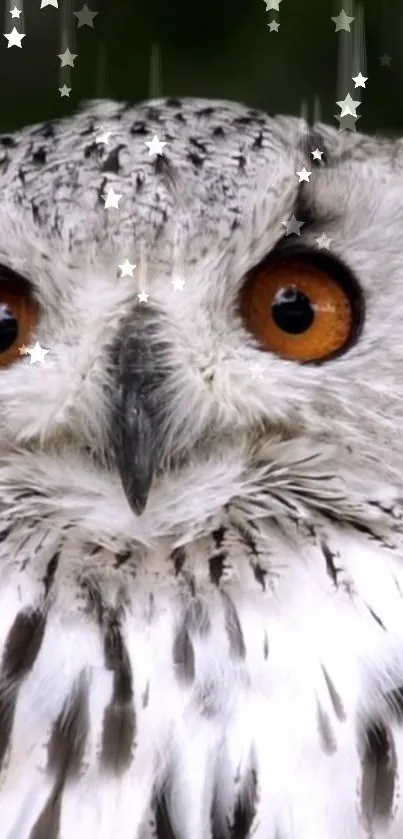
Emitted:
pixel 64 91
pixel 303 175
pixel 143 297
pixel 15 12
pixel 178 284
pixel 155 146
pixel 323 241
pixel 126 268
pixel 37 353
pixel 23 350
pixel 342 21
pixel 293 226
pixel 348 106
pixel 49 3
pixel 67 58
pixel 257 371
pixel 85 17
pixel 272 5
pixel 347 123
pixel 111 199
pixel 273 26
pixel 14 38
pixel 317 154
pixel 360 80
pixel 102 135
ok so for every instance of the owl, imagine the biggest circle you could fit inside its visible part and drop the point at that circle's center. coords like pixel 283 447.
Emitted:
pixel 201 515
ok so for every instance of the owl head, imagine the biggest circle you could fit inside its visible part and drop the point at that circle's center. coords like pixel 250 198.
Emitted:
pixel 260 328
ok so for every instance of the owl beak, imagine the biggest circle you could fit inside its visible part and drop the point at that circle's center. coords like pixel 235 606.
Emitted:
pixel 134 452
pixel 136 420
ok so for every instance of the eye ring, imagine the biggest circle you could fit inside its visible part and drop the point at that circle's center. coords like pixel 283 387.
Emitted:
pixel 303 305
pixel 18 315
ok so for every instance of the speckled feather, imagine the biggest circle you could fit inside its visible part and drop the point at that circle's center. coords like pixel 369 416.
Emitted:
pixel 229 663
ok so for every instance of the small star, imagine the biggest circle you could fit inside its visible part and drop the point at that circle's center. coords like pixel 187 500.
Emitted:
pixel 64 91
pixel 37 353
pixel 303 175
pixel 348 106
pixel 155 146
pixel 385 60
pixel 111 199
pixel 323 241
pixel 347 123
pixel 126 268
pixel 257 371
pixel 317 154
pixel 293 226
pixel 143 297
pixel 14 38
pixel 49 3
pixel 67 58
pixel 178 284
pixel 360 80
pixel 15 12
pixel 85 17
pixel 23 350
pixel 272 5
pixel 274 26
pixel 343 21
pixel 102 135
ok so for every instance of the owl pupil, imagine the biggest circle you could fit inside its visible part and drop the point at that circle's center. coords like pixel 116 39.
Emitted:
pixel 292 311
pixel 8 328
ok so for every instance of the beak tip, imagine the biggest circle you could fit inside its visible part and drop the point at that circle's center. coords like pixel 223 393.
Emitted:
pixel 139 504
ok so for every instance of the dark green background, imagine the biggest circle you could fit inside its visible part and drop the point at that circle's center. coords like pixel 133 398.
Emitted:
pixel 214 48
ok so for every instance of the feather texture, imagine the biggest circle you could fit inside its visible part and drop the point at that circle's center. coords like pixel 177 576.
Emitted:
pixel 228 664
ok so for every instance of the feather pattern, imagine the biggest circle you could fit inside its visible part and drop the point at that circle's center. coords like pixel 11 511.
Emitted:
pixel 155 695
pixel 228 664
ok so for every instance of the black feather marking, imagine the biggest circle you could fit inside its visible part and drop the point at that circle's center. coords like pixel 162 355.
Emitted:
pixel 326 733
pixel 50 573
pixel 47 825
pixel 69 734
pixel 260 574
pixel 233 627
pixel 178 557
pixel 146 696
pixel 245 809
pixel 65 757
pixel 121 558
pixel 21 649
pixel 111 163
pixel 331 568
pixel 4 534
pixel 216 566
pixel 163 823
pixel 334 696
pixel 183 655
pixel 119 724
pixel 219 535
pixel 379 771
pixel 376 617
pixel 394 700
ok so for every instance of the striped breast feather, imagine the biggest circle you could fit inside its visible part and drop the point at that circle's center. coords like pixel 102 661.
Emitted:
pixel 197 696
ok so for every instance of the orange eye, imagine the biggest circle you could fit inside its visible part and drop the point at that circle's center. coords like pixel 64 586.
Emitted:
pixel 18 315
pixel 297 308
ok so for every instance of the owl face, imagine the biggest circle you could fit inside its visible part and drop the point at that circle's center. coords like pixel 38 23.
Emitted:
pixel 245 334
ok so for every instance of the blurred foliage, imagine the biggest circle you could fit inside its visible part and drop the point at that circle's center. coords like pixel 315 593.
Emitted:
pixel 218 48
